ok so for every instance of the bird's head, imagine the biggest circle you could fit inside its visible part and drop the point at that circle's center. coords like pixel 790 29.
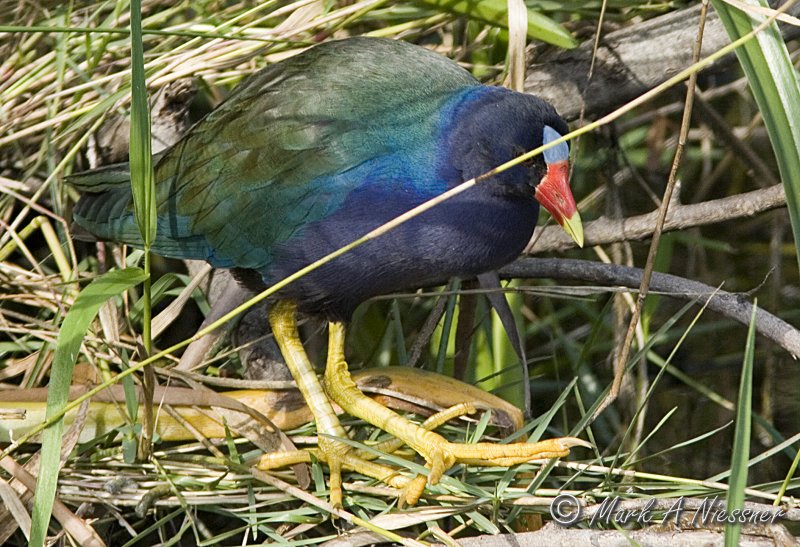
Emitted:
pixel 503 125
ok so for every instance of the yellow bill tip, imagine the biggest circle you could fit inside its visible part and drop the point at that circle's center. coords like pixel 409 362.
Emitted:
pixel 574 227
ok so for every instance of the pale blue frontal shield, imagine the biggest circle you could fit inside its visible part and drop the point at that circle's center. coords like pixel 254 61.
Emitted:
pixel 559 152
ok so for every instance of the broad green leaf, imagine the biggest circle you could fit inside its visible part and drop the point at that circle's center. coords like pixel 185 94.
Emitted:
pixel 773 80
pixel 157 293
pixel 70 337
pixel 495 12
pixel 741 436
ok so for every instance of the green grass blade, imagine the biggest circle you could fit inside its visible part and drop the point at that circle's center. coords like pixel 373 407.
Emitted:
pixel 141 162
pixel 741 437
pixel 140 156
pixel 495 12
pixel 143 188
pixel 773 80
pixel 70 337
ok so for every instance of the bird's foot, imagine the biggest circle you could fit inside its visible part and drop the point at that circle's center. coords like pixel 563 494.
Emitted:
pixel 338 456
pixel 441 454
pixel 506 455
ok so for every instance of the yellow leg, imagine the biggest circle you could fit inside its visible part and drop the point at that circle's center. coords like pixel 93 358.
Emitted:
pixel 439 453
pixel 337 455
pixel 283 320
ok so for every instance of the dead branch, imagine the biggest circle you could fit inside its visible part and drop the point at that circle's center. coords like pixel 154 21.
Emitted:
pixel 732 305
pixel 629 62
pixel 606 230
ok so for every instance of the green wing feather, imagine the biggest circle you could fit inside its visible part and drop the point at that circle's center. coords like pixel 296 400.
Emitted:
pixel 276 154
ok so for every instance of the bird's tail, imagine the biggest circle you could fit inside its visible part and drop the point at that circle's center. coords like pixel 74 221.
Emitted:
pixel 105 210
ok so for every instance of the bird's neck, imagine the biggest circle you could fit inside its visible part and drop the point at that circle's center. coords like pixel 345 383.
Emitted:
pixel 472 118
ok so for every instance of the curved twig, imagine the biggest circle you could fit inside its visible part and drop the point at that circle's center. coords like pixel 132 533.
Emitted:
pixel 732 305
